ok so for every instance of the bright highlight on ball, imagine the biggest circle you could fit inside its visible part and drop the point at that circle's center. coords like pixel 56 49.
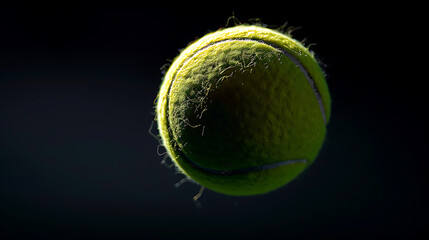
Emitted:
pixel 243 110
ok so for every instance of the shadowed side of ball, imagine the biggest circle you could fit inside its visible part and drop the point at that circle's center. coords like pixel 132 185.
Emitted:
pixel 243 111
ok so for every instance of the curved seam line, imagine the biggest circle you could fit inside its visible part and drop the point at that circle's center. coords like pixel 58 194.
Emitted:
pixel 230 172
pixel 256 168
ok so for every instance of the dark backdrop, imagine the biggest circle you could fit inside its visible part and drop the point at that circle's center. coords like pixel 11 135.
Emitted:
pixel 77 85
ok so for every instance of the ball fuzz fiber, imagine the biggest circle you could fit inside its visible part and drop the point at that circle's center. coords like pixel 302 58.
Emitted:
pixel 243 110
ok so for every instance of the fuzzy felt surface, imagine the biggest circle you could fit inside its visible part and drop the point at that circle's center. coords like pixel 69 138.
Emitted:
pixel 233 100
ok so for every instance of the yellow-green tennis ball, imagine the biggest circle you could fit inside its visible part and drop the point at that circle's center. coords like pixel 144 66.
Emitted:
pixel 243 110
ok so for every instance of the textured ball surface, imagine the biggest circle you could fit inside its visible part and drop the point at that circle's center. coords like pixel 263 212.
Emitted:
pixel 243 110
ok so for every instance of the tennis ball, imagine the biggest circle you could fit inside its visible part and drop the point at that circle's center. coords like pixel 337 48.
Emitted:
pixel 243 110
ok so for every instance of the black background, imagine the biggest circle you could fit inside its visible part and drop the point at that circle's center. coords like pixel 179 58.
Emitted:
pixel 77 85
